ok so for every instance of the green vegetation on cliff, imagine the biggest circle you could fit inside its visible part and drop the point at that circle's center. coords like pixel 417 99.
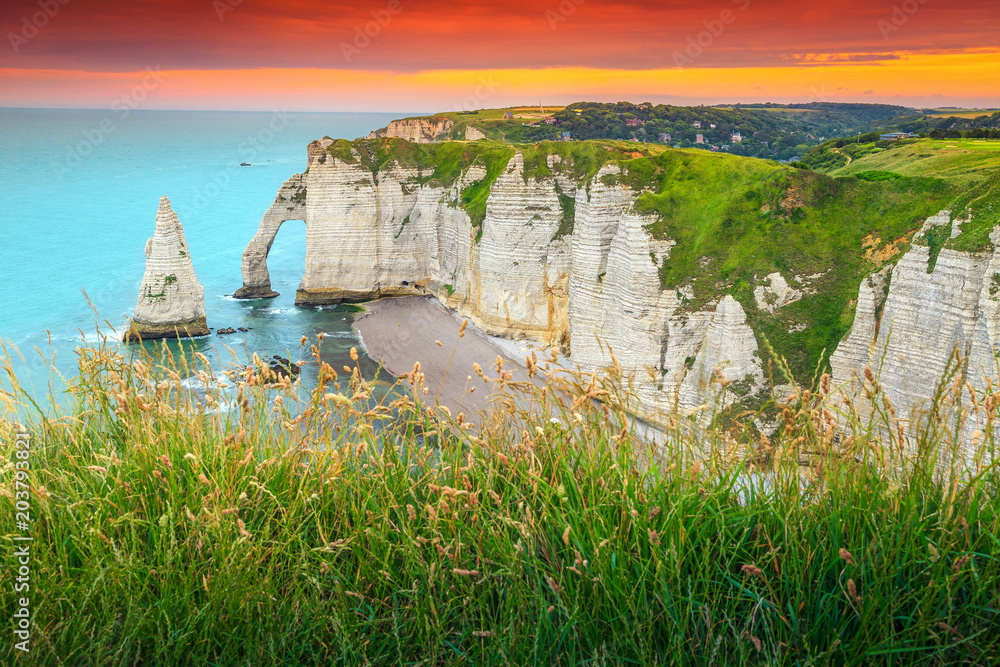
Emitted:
pixel 736 220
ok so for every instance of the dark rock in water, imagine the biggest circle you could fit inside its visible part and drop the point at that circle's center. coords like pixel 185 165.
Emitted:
pixel 285 368
pixel 277 356
pixel 244 164
pixel 227 330
pixel 243 329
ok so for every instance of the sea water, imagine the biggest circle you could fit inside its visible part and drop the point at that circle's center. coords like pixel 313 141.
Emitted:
pixel 79 191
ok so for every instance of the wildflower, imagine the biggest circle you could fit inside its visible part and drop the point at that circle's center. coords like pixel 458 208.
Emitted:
pixel 354 353
pixel 481 633
pixel 846 556
pixel 243 528
pixel 654 538
pixel 566 536
pixel 465 573
pixel 752 570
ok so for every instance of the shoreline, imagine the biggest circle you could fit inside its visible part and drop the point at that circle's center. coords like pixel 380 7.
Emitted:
pixel 396 332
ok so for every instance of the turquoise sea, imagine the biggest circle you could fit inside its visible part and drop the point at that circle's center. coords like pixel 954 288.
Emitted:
pixel 78 198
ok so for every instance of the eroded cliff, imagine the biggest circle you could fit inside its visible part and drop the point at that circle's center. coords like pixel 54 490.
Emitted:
pixel 171 301
pixel 668 260
pixel 418 130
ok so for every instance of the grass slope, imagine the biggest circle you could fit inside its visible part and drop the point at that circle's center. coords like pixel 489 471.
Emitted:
pixel 319 527
pixel 736 220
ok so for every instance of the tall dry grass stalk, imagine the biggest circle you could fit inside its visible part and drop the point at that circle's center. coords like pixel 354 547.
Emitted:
pixel 265 522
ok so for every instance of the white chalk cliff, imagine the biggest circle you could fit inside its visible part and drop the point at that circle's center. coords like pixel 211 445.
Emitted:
pixel 593 291
pixel 171 300
pixel 594 288
pixel 417 130
pixel 911 320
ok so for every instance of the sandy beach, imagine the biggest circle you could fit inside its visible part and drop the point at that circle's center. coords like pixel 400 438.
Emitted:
pixel 397 332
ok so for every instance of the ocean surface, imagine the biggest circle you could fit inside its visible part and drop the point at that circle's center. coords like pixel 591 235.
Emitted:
pixel 78 197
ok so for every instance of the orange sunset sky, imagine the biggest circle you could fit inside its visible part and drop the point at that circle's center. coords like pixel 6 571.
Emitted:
pixel 431 55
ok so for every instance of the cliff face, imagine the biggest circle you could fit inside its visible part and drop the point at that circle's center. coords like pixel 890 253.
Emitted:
pixel 417 130
pixel 171 300
pixel 912 323
pixel 592 288
pixel 574 248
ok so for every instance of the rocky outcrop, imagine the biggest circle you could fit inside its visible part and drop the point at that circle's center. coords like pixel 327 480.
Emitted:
pixel 171 300
pixel 775 294
pixel 911 322
pixel 592 288
pixel 417 130
pixel 288 205
pixel 473 133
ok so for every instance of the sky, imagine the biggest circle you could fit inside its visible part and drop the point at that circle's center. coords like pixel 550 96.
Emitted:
pixel 435 55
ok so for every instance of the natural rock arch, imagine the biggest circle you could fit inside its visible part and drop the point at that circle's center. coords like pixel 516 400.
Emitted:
pixel 290 204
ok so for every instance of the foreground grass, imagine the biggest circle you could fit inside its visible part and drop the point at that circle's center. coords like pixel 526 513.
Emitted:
pixel 319 528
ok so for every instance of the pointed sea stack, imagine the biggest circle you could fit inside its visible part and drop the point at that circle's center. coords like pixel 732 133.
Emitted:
pixel 171 300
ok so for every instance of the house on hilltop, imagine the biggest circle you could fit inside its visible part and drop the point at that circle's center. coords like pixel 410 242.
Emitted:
pixel 699 138
pixel 896 136
pixel 697 124
pixel 736 138
pixel 634 122
pixel 508 116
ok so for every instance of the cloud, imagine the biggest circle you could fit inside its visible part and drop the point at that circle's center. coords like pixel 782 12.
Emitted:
pixel 101 35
